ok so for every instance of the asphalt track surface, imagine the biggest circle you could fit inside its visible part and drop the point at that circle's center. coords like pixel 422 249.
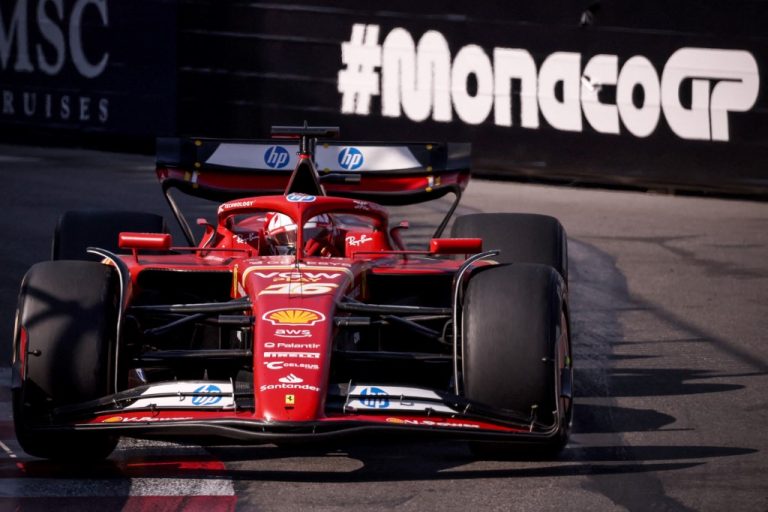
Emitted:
pixel 669 311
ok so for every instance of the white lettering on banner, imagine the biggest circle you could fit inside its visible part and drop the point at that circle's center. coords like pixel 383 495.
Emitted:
pixel 17 28
pixel 361 56
pixel 600 70
pixel 53 34
pixel 423 80
pixel 736 84
pixel 53 106
pixel 472 60
pixel 518 64
pixel 86 68
pixel 52 30
pixel 416 79
pixel 638 72
pixel 561 68
pixel 42 38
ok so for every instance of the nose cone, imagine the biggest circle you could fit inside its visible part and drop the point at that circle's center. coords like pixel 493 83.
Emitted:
pixel 291 358
pixel 293 336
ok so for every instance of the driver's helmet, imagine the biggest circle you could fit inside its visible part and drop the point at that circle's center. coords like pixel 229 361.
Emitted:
pixel 281 232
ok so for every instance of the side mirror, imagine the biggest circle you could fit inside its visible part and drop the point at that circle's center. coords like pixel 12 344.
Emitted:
pixel 455 245
pixel 147 241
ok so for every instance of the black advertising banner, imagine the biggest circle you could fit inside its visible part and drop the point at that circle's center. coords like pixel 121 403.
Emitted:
pixel 91 66
pixel 666 94
pixel 656 94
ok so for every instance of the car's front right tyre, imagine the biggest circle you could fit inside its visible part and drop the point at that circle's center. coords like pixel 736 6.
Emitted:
pixel 64 354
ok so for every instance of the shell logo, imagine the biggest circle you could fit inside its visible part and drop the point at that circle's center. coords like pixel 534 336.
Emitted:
pixel 113 419
pixel 297 316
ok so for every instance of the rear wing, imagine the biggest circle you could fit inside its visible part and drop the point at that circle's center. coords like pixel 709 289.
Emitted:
pixel 383 172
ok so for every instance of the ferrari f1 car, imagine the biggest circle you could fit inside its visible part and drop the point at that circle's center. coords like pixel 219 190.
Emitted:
pixel 300 313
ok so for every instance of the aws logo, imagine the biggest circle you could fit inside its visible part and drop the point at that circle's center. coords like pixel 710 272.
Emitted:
pixel 293 333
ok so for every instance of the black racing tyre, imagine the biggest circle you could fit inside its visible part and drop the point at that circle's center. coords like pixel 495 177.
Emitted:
pixel 67 315
pixel 79 229
pixel 516 347
pixel 521 237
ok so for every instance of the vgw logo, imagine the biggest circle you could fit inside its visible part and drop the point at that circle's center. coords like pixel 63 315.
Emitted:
pixel 375 398
pixel 206 396
pixel 350 159
pixel 276 157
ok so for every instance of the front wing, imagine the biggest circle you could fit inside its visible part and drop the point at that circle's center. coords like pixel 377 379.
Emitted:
pixel 208 411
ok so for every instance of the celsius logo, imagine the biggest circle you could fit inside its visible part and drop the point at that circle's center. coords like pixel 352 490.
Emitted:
pixel 206 396
pixel 375 398
pixel 350 159
pixel 276 157
pixel 280 365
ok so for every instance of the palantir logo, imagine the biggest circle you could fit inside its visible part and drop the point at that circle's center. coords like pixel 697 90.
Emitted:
pixel 205 395
pixel 375 398
pixel 350 159
pixel 276 157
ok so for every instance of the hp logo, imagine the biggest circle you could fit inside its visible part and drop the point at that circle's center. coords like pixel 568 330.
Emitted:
pixel 350 159
pixel 205 398
pixel 375 398
pixel 276 157
pixel 298 197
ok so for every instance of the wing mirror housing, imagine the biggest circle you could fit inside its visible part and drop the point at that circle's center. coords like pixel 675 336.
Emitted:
pixel 455 245
pixel 146 241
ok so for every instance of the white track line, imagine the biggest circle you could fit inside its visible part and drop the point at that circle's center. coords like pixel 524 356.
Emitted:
pixel 7 450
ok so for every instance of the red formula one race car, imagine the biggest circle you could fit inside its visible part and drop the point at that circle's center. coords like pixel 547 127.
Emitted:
pixel 299 314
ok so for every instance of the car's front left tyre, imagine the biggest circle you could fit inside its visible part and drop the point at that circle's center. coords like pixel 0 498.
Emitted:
pixel 517 351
